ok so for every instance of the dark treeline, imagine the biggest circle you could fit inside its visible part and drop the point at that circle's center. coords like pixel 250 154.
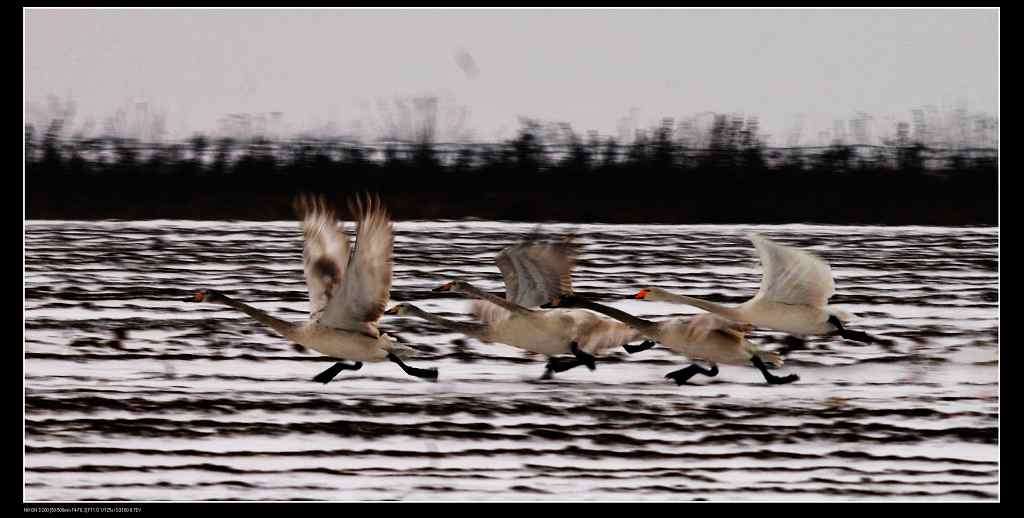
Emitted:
pixel 657 177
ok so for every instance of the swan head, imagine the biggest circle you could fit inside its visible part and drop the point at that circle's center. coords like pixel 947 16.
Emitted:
pixel 562 301
pixel 399 310
pixel 453 286
pixel 650 294
pixel 207 295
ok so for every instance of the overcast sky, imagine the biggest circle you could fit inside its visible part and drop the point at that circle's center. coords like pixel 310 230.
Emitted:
pixel 589 68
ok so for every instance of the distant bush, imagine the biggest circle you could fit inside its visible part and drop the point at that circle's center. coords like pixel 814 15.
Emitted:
pixel 660 175
pixel 734 148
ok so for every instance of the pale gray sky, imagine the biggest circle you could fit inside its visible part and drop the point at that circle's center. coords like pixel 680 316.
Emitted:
pixel 589 68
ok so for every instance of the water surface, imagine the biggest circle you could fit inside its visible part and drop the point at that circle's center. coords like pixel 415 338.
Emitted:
pixel 133 395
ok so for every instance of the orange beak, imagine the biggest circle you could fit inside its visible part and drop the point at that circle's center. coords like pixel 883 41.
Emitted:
pixel 642 294
pixel 199 296
pixel 444 287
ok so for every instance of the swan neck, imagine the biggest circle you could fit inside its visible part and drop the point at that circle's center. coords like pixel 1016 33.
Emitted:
pixel 474 330
pixel 473 291
pixel 702 304
pixel 284 328
pixel 642 325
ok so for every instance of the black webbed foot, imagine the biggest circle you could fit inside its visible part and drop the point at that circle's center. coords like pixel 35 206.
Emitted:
pixel 771 378
pixel 683 375
pixel 856 336
pixel 563 364
pixel 332 371
pixel 584 358
pixel 633 349
pixel 789 378
pixel 429 374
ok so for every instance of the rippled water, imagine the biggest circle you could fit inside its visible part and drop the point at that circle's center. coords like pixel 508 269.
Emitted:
pixel 130 394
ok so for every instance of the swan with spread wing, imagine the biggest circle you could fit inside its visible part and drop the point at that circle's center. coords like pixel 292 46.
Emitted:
pixel 348 290
pixel 793 297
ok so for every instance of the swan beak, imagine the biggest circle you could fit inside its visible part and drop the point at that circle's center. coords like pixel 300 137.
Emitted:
pixel 198 297
pixel 443 287
pixel 392 311
pixel 640 295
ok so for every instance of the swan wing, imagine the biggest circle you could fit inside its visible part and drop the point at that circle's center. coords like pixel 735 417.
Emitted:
pixel 699 327
pixel 488 312
pixel 365 291
pixel 791 275
pixel 600 333
pixel 509 273
pixel 325 251
pixel 536 272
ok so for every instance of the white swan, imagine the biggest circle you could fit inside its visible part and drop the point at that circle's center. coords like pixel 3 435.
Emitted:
pixel 535 271
pixel 703 337
pixel 347 292
pixel 794 293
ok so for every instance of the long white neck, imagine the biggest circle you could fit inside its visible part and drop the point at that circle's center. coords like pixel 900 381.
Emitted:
pixel 646 327
pixel 466 328
pixel 475 292
pixel 286 329
pixel 706 305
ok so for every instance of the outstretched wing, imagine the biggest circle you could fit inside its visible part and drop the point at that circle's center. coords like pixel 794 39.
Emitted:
pixel 365 290
pixel 535 272
pixel 325 251
pixel 791 275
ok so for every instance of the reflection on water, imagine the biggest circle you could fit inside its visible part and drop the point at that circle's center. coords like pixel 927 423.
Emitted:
pixel 131 394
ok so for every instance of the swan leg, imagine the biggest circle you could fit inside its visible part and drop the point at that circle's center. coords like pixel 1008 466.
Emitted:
pixel 771 378
pixel 792 343
pixel 584 358
pixel 683 375
pixel 856 336
pixel 633 349
pixel 548 374
pixel 430 373
pixel 333 371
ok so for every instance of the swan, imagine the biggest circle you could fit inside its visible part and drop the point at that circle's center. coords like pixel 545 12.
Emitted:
pixel 534 271
pixel 793 297
pixel 347 291
pixel 704 337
